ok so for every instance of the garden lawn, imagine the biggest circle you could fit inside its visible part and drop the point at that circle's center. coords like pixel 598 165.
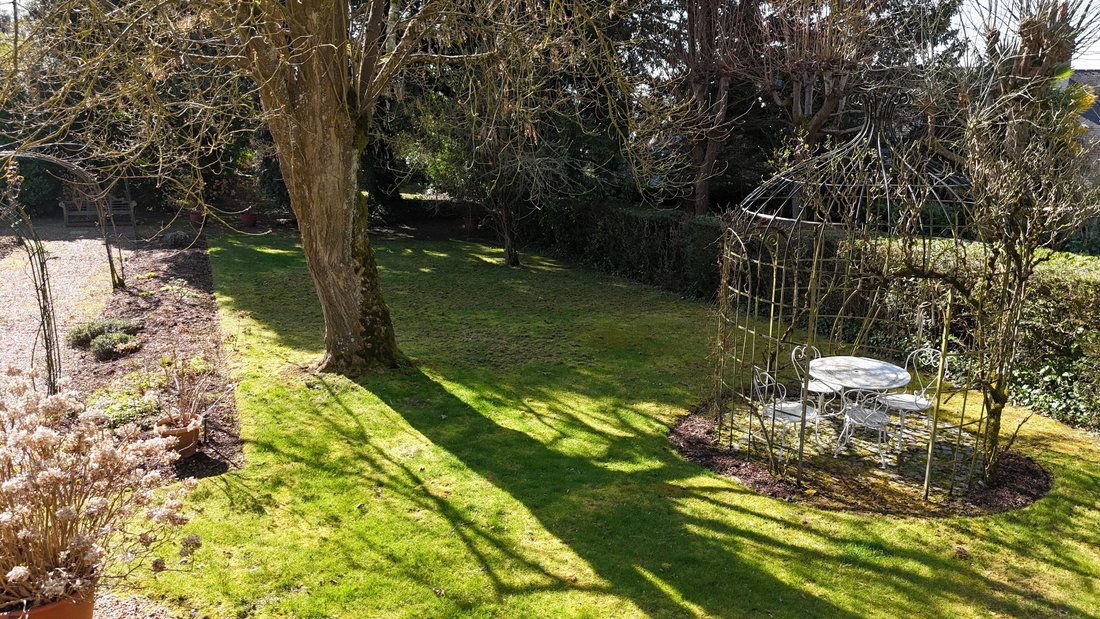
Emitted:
pixel 521 468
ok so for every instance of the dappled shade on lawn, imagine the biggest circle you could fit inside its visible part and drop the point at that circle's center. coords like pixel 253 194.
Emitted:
pixel 522 468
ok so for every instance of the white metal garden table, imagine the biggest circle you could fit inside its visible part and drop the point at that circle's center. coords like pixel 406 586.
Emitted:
pixel 861 373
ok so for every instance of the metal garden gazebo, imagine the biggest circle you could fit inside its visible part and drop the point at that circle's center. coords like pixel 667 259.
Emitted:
pixel 857 252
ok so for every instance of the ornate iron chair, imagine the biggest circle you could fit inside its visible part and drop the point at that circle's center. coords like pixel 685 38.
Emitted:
pixel 818 391
pixel 864 409
pixel 918 364
pixel 771 397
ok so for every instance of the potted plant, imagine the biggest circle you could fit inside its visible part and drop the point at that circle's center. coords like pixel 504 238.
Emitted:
pixel 191 390
pixel 197 215
pixel 248 217
pixel 77 504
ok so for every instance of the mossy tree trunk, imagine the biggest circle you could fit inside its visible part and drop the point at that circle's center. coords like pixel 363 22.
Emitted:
pixel 317 124
pixel 321 165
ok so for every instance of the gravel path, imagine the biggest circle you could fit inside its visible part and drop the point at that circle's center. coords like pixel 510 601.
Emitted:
pixel 109 606
pixel 81 285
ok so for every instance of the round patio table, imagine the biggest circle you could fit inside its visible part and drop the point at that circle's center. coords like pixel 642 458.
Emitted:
pixel 859 373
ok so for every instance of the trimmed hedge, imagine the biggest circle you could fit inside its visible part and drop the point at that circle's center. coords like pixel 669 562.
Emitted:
pixel 665 248
pixel 1058 369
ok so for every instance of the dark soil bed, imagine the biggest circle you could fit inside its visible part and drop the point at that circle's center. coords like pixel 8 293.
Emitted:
pixel 694 438
pixel 170 291
pixel 1019 482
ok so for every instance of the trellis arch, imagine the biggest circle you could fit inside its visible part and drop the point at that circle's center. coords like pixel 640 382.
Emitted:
pixel 16 217
pixel 99 198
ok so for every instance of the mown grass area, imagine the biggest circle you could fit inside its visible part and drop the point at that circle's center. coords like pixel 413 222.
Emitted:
pixel 521 469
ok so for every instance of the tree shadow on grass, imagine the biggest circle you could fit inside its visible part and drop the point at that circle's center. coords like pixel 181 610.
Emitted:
pixel 646 549
pixel 648 529
pixel 631 527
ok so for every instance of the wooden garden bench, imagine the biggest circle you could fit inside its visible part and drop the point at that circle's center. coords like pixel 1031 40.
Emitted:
pixel 84 212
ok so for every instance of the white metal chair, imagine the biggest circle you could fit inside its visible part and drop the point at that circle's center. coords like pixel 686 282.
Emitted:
pixel 771 397
pixel 818 391
pixel 864 409
pixel 924 365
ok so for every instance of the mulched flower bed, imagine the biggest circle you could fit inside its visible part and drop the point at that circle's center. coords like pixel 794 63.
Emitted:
pixel 1019 481
pixel 694 439
pixel 170 291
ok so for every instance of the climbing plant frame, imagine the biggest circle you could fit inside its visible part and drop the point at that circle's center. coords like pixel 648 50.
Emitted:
pixel 872 249
pixel 15 217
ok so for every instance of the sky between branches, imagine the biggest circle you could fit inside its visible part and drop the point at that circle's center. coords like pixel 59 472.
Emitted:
pixel 1087 58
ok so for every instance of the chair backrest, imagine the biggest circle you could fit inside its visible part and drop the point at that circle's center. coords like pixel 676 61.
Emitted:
pixel 924 365
pixel 801 356
pixel 765 388
pixel 867 399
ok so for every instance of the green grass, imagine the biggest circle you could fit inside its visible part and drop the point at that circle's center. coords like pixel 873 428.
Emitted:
pixel 522 469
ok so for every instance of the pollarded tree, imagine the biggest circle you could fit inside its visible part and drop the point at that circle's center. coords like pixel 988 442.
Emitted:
pixel 808 56
pixel 727 59
pixel 1008 122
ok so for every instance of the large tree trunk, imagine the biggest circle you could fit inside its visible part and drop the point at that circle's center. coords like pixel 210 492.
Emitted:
pixel 313 108
pixel 508 232
pixel 706 156
pixel 319 161
pixel 709 143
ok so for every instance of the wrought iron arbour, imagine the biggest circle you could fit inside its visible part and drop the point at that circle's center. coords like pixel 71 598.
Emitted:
pixel 861 251
pixel 13 216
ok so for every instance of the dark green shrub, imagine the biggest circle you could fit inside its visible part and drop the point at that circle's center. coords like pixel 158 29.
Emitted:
pixel 114 345
pixel 82 334
pixel 40 190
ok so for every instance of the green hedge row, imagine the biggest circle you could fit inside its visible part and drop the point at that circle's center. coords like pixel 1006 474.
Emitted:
pixel 1058 368
pixel 664 248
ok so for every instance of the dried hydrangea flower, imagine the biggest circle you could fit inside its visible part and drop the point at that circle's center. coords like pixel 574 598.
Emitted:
pixel 91 479
pixel 19 573
pixel 66 514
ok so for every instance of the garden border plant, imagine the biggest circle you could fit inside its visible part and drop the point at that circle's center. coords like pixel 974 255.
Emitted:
pixel 106 338
pixel 82 334
pixel 80 504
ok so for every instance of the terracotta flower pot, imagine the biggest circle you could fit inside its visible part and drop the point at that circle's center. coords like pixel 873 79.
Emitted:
pixel 248 219
pixel 187 439
pixel 73 608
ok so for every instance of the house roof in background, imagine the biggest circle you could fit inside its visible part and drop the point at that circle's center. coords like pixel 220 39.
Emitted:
pixel 1089 77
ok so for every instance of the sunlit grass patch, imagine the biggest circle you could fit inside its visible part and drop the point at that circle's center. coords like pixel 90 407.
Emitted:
pixel 522 468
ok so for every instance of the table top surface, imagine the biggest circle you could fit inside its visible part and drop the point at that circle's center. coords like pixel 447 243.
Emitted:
pixel 859 373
